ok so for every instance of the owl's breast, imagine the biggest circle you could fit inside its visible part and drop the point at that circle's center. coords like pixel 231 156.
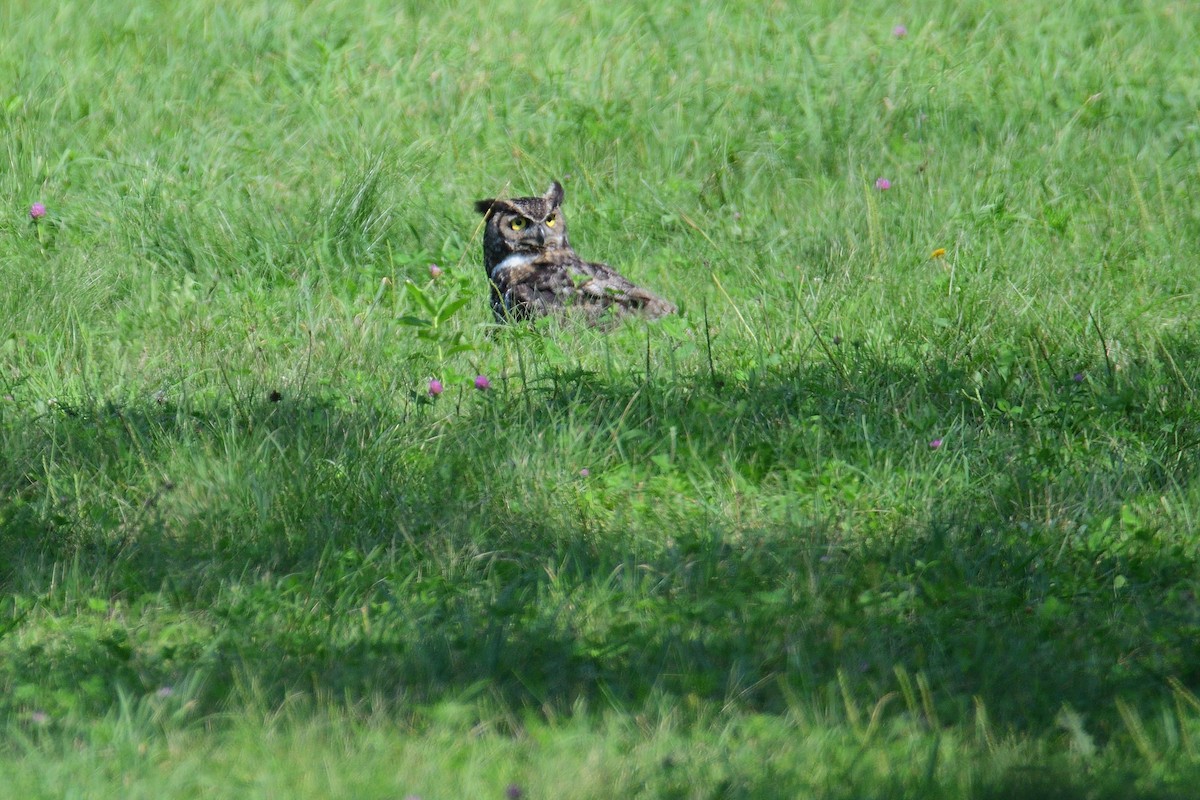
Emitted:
pixel 513 266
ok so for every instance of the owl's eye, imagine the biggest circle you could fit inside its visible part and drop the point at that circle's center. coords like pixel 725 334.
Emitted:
pixel 517 224
pixel 551 221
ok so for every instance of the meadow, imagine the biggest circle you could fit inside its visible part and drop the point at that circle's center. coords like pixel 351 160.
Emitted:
pixel 903 503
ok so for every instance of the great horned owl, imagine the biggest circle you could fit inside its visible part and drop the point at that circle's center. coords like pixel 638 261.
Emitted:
pixel 534 271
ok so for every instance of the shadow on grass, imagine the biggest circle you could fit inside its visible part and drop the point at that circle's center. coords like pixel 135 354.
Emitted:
pixel 306 546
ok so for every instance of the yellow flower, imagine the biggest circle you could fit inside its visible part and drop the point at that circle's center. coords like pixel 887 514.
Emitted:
pixel 941 251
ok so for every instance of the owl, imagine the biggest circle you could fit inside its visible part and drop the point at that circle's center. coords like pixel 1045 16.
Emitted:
pixel 534 271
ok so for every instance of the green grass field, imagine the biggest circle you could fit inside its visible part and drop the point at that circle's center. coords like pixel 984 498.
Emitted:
pixel 903 503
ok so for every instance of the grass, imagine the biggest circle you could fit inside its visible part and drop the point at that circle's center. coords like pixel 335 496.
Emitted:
pixel 862 521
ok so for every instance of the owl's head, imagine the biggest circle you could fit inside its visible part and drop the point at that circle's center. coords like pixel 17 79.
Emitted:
pixel 523 224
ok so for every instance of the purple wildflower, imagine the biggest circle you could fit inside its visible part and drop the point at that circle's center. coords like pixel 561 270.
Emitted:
pixel 482 383
pixel 514 792
pixel 435 387
pixel 900 31
pixel 435 270
pixel 37 211
pixel 883 184
pixel 935 444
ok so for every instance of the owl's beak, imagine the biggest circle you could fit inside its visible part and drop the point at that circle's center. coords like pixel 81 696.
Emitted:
pixel 541 235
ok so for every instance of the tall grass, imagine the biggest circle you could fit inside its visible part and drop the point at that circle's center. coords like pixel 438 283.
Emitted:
pixel 902 504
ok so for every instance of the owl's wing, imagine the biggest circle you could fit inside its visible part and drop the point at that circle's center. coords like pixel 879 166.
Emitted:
pixel 560 279
pixel 599 284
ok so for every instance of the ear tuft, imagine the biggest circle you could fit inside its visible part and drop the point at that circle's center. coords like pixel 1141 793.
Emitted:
pixel 554 195
pixel 485 206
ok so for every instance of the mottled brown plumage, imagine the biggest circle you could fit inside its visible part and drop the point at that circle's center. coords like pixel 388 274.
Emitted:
pixel 534 271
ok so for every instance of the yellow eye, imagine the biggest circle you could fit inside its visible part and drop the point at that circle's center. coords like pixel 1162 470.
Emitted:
pixel 517 224
pixel 551 221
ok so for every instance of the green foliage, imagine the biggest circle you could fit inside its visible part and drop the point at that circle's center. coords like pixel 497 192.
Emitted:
pixel 901 504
